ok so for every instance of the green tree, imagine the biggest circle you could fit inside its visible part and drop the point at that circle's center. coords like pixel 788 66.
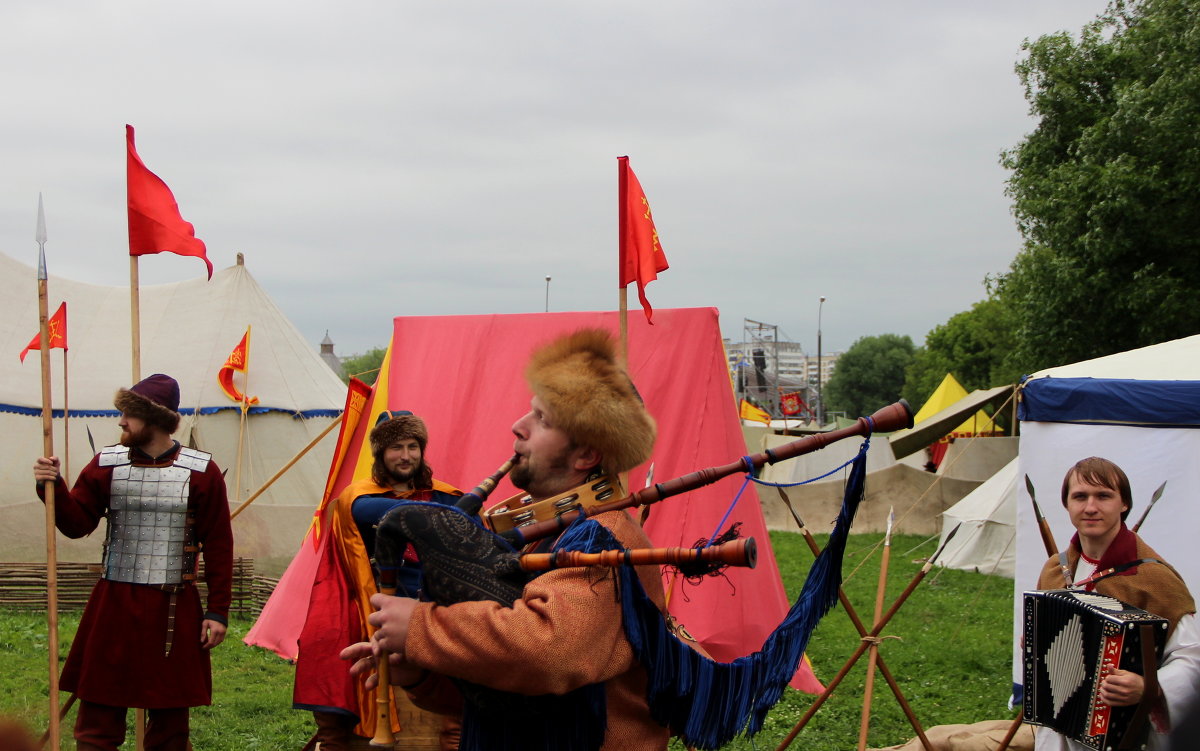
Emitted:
pixel 364 367
pixel 869 375
pixel 972 345
pixel 1106 189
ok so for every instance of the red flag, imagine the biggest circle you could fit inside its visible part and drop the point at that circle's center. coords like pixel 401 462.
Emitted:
pixel 57 326
pixel 155 224
pixel 792 404
pixel 641 255
pixel 237 361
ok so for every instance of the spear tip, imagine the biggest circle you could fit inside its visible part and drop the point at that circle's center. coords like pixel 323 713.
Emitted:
pixel 40 235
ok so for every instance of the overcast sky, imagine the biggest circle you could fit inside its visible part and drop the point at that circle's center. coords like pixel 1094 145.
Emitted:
pixel 374 159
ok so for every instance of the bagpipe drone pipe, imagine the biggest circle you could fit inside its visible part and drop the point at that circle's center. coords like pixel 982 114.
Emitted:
pixel 705 702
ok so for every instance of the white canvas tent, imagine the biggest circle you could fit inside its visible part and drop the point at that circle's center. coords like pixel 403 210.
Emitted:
pixel 1141 409
pixel 188 330
pixel 987 527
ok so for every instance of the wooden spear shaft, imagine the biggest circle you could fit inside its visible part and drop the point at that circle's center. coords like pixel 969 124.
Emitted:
pixel 287 466
pixel 862 647
pixel 48 489
pixel 873 657
pixel 862 631
pixel 135 316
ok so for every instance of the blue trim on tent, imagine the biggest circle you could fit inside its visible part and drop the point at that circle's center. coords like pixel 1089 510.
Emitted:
pixel 301 415
pixel 1111 401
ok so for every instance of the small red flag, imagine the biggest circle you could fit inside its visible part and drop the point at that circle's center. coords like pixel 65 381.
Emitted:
pixel 57 326
pixel 641 255
pixel 237 361
pixel 155 224
pixel 792 404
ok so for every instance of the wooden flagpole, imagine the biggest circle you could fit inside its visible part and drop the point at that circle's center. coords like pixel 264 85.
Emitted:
pixel 66 463
pixel 873 655
pixel 237 475
pixel 623 294
pixel 135 313
pixel 48 486
pixel 287 466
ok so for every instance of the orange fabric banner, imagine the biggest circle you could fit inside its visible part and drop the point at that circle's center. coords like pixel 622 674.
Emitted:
pixel 155 224
pixel 641 256
pixel 237 361
pixel 58 332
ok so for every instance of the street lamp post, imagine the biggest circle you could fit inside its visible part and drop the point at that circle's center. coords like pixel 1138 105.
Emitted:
pixel 547 293
pixel 820 366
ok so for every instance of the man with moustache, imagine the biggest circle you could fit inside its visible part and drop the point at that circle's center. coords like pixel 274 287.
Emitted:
pixel 143 640
pixel 340 601
pixel 1106 557
pixel 563 639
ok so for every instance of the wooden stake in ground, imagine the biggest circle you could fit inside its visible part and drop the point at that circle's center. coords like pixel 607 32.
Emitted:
pixel 48 486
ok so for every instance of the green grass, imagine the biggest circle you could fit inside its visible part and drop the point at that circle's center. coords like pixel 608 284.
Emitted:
pixel 951 660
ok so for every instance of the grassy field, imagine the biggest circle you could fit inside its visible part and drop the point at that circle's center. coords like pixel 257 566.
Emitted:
pixel 950 655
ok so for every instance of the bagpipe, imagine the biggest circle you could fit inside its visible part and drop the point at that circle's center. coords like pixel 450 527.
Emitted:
pixel 462 560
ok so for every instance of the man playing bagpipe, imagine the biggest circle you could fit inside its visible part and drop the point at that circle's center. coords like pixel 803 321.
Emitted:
pixel 345 581
pixel 144 639
pixel 564 634
pixel 1107 558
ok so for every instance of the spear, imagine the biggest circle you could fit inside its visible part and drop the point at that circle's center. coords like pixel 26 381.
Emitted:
pixel 867 640
pixel 873 656
pixel 48 486
pixel 1047 536
pixel 1153 500
pixel 862 631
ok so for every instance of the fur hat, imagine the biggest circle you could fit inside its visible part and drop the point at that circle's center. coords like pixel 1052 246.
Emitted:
pixel 154 400
pixel 395 426
pixel 590 397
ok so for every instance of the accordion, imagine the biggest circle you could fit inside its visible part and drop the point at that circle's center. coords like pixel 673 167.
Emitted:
pixel 1073 640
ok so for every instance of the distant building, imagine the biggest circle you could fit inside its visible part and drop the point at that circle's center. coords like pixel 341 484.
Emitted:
pixel 332 360
pixel 763 368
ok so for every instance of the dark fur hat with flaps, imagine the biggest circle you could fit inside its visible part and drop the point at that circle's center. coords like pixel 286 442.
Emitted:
pixel 394 426
pixel 154 400
pixel 591 399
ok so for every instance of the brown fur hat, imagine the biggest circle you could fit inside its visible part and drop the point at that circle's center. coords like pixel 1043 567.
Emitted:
pixel 394 426
pixel 154 400
pixel 590 397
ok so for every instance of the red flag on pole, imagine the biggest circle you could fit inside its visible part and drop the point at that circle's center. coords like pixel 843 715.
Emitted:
pixel 155 224
pixel 641 255
pixel 57 326
pixel 237 361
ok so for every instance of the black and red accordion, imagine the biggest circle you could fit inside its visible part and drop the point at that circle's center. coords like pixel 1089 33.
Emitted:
pixel 1073 640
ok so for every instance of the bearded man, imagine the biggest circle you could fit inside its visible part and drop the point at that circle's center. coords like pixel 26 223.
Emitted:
pixel 143 640
pixel 345 581
pixel 564 635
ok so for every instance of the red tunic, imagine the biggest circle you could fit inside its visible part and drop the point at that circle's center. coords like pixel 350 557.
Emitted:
pixel 117 657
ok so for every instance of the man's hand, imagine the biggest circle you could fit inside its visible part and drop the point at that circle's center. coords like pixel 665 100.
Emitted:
pixel 1122 689
pixel 45 469
pixel 365 656
pixel 212 633
pixel 391 621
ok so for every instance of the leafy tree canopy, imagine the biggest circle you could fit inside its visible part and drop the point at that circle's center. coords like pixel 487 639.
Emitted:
pixel 972 345
pixel 1106 189
pixel 869 375
pixel 364 367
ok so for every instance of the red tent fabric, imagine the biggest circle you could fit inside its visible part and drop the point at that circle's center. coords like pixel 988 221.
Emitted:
pixel 464 376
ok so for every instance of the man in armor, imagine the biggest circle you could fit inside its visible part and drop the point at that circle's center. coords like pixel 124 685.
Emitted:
pixel 564 634
pixel 1106 557
pixel 143 640
pixel 340 600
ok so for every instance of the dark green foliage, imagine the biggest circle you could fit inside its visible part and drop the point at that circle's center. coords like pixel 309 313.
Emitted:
pixel 364 367
pixel 869 375
pixel 1106 189
pixel 972 345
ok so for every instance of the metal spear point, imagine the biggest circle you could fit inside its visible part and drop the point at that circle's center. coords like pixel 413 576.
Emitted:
pixel 1153 500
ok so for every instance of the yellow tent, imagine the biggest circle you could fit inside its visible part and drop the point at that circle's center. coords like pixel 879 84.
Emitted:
pixel 949 393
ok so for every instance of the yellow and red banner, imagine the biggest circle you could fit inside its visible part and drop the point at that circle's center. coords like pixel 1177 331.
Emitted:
pixel 237 362
pixel 57 326
pixel 641 256
pixel 748 411
pixel 792 404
